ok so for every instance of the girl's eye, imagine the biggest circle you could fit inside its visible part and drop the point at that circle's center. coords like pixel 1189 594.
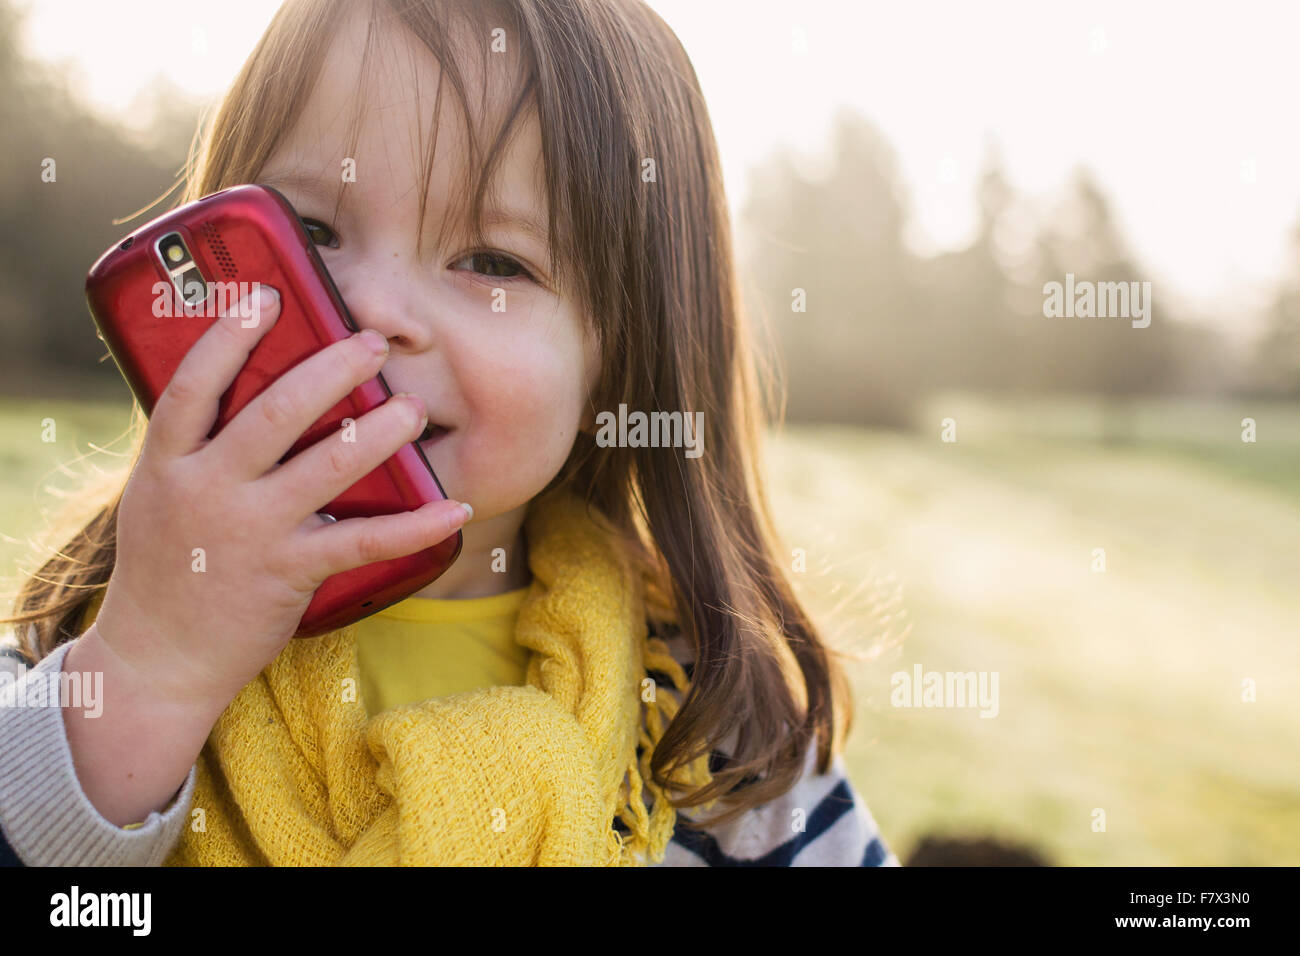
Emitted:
pixel 493 263
pixel 315 230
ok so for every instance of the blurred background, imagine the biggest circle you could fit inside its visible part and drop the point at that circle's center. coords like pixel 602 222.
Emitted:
pixel 920 175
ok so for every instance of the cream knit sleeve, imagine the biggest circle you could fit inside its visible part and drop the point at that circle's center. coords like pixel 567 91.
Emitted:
pixel 45 818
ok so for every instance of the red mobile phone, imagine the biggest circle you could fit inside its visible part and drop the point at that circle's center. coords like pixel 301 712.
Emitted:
pixel 153 295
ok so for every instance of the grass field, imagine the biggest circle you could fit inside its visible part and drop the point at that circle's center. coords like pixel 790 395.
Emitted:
pixel 1119 691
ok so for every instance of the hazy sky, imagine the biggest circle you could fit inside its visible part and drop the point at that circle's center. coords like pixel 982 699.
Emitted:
pixel 1180 109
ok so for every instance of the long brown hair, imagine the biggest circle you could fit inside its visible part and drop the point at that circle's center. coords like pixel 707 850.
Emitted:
pixel 646 249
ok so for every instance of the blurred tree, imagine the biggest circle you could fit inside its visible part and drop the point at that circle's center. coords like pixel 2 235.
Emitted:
pixel 1100 354
pixel 852 355
pixel 965 297
pixel 1277 361
pixel 52 231
pixel 884 329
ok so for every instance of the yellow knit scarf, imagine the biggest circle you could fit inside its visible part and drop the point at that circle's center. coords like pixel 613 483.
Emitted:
pixel 294 773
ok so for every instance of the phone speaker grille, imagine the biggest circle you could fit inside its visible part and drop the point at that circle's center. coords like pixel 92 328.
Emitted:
pixel 225 262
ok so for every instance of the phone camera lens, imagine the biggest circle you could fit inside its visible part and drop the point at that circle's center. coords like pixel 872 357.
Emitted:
pixel 173 250
pixel 194 289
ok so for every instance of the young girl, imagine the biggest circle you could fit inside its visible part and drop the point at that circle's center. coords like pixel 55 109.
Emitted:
pixel 615 670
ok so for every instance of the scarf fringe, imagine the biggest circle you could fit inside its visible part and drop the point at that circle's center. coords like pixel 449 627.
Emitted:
pixel 651 827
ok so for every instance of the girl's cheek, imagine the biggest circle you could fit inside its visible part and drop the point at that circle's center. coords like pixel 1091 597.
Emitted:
pixel 521 386
pixel 525 383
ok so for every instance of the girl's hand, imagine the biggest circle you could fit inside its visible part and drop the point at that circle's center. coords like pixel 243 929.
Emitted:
pixel 198 636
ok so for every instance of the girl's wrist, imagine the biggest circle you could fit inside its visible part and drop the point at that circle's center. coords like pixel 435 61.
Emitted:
pixel 147 695
pixel 131 746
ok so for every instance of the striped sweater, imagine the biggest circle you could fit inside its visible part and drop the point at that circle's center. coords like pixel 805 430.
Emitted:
pixel 47 820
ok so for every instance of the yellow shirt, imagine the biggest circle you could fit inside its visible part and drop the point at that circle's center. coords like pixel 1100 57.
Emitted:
pixel 421 648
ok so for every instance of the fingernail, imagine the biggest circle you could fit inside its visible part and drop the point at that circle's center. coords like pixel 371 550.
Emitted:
pixel 378 343
pixel 469 511
pixel 418 403
pixel 261 299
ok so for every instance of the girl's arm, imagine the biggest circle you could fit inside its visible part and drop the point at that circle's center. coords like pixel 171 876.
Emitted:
pixel 46 819
pixel 134 748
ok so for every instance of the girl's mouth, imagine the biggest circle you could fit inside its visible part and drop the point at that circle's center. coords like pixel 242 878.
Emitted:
pixel 432 432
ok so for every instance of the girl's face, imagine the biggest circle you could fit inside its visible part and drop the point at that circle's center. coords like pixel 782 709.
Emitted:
pixel 506 387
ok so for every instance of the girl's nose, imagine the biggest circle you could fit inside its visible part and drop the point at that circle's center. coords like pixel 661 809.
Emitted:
pixel 385 300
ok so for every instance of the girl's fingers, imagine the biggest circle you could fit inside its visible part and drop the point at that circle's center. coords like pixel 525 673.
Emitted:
pixel 260 435
pixel 319 474
pixel 356 542
pixel 187 408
